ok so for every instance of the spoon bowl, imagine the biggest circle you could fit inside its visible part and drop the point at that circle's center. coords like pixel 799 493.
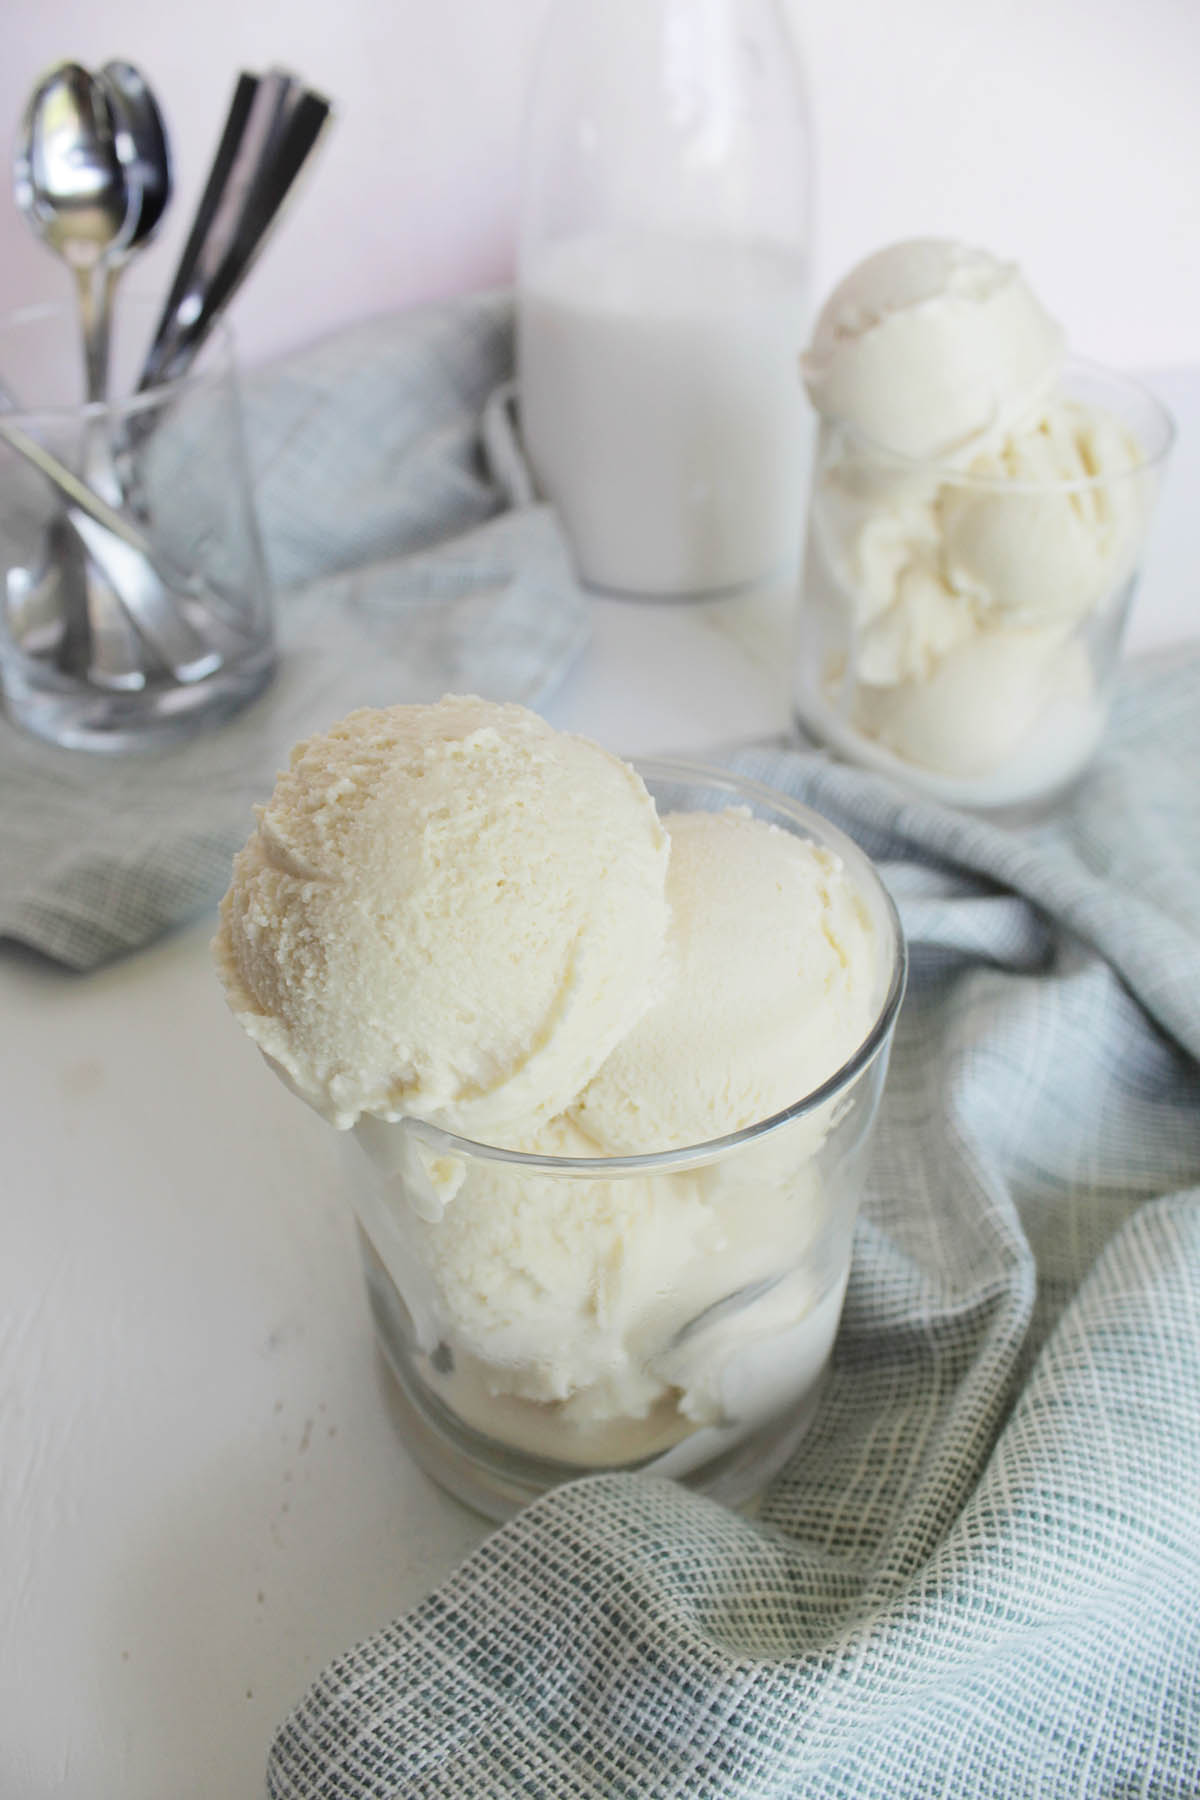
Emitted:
pixel 141 147
pixel 68 179
pixel 77 195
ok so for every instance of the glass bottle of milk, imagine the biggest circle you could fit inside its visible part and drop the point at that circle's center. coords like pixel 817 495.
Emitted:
pixel 662 290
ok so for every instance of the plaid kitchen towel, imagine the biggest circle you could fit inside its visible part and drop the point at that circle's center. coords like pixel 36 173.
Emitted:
pixel 980 1575
pixel 408 556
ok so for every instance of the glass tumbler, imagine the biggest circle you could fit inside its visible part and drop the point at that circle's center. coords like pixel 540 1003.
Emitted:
pixel 134 608
pixel 662 288
pixel 674 1312
pixel 960 623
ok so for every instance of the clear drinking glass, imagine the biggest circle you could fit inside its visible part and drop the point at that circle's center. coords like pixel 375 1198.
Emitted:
pixel 662 290
pixel 123 631
pixel 545 1317
pixel 960 624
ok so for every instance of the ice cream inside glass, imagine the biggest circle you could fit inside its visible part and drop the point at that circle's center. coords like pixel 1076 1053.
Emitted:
pixel 978 513
pixel 607 1045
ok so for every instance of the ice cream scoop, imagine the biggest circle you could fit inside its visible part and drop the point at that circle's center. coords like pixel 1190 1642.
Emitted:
pixel 448 912
pixel 1049 520
pixel 773 974
pixel 927 345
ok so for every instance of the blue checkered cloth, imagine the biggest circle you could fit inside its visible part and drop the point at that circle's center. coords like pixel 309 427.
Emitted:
pixel 980 1576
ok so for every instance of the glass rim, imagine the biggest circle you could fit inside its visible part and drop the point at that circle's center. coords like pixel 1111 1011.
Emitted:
pixel 598 1168
pixel 220 335
pixel 948 473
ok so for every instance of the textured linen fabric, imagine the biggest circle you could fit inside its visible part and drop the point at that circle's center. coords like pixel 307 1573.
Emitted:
pixel 408 557
pixel 980 1575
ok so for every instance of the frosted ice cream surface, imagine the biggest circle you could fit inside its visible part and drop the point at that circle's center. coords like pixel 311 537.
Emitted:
pixel 455 915
pixel 446 912
pixel 769 988
pixel 930 344
pixel 971 517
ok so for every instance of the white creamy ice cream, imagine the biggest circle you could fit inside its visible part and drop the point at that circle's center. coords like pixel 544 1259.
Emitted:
pixel 928 345
pixel 1034 537
pixel 570 1308
pixel 970 518
pixel 771 985
pixel 455 917
pixel 446 912
pixel 598 1321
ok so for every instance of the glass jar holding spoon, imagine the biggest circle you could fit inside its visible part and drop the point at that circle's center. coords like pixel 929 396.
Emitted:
pixel 134 602
pixel 120 627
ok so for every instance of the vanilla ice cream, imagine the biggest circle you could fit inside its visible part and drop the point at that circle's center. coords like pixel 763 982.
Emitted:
pixel 929 345
pixel 472 939
pixel 448 912
pixel 599 1321
pixel 568 1307
pixel 771 986
pixel 977 513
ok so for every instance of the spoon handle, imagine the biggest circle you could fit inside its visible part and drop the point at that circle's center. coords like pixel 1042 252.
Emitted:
pixel 138 580
pixel 93 294
pixel 218 177
pixel 273 103
pixel 255 133
pixel 300 131
pixel 115 656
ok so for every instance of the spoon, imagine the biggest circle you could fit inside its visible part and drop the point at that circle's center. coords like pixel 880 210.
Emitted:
pixel 75 191
pixel 258 105
pixel 147 581
pixel 273 124
pixel 77 195
pixel 142 148
pixel 92 175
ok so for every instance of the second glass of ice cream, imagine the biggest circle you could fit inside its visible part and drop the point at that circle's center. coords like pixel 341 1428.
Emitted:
pixel 608 1165
pixel 979 508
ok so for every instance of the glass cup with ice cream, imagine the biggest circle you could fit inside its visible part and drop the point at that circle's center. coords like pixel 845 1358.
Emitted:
pixel 978 512
pixel 608 1047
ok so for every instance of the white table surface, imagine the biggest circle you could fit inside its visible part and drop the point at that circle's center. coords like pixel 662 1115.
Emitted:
pixel 202 1495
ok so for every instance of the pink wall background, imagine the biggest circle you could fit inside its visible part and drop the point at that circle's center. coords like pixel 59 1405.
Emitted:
pixel 1065 133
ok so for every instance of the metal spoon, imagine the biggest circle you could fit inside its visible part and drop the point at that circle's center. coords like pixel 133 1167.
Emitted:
pixel 75 190
pixel 142 148
pixel 146 580
pixel 144 153
pixel 255 111
pixel 92 174
pixel 273 124
pixel 72 186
